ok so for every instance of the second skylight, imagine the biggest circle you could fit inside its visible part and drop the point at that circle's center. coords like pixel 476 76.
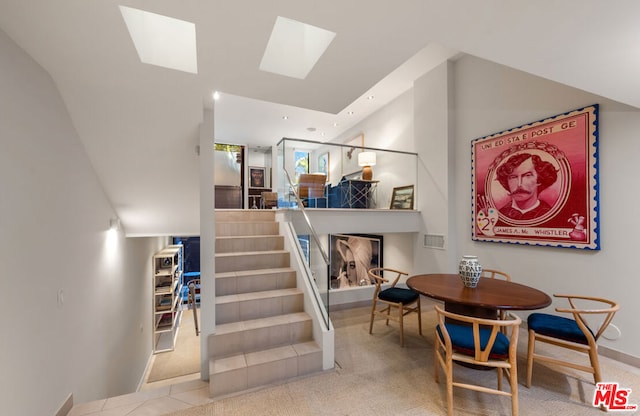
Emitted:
pixel 294 48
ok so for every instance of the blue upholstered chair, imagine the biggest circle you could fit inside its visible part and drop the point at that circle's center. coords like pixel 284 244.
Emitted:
pixel 477 342
pixel 402 301
pixel 574 334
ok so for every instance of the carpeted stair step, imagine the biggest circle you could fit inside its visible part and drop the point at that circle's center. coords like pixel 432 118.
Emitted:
pixel 244 228
pixel 244 281
pixel 247 215
pixel 258 334
pixel 232 244
pixel 250 370
pixel 254 305
pixel 251 260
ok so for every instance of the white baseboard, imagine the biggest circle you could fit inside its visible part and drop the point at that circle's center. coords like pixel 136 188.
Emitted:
pixel 147 369
pixel 66 406
pixel 619 356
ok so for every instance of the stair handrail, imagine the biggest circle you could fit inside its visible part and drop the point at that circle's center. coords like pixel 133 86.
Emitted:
pixel 325 257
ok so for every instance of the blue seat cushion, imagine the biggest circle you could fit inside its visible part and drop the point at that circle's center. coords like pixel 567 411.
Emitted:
pixel 557 327
pixel 462 341
pixel 398 295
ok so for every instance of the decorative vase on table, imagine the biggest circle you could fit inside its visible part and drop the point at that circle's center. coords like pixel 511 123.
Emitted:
pixel 470 271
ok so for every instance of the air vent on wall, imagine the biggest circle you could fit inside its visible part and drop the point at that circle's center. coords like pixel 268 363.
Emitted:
pixel 434 241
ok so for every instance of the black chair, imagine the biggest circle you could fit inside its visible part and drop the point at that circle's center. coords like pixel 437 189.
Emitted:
pixel 405 301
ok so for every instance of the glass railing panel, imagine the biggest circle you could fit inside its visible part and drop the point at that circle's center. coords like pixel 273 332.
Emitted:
pixel 312 251
pixel 347 184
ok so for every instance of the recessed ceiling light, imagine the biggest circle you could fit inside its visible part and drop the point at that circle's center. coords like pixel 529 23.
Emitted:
pixel 216 95
pixel 350 113
pixel 294 48
pixel 285 117
pixel 162 40
pixel 335 124
pixel 371 97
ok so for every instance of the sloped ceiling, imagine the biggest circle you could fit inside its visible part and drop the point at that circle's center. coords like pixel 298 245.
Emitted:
pixel 139 123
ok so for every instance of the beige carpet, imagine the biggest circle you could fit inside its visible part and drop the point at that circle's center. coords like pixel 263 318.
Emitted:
pixel 374 376
pixel 185 359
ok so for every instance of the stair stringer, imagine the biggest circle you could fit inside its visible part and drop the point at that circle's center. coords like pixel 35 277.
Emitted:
pixel 323 335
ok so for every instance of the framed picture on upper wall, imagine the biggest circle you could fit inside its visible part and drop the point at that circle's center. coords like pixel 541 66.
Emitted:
pixel 537 184
pixel 256 177
pixel 351 256
pixel 323 164
pixel 402 197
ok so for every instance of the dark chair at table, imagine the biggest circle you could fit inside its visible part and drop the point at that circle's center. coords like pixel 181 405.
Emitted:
pixel 403 301
pixel 477 342
pixel 574 334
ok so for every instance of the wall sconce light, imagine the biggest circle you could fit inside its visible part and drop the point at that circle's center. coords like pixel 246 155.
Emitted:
pixel 367 159
pixel 114 224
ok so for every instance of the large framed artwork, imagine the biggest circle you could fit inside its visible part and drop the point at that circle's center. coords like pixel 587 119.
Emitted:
pixel 537 184
pixel 351 256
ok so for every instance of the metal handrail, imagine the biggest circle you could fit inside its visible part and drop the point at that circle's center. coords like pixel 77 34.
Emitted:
pixel 314 287
pixel 325 257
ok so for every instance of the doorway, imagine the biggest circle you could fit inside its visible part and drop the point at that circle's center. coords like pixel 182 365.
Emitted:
pixel 229 178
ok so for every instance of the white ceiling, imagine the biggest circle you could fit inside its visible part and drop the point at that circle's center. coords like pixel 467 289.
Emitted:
pixel 139 123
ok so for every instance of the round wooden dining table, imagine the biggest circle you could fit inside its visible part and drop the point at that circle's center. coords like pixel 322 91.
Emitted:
pixel 484 300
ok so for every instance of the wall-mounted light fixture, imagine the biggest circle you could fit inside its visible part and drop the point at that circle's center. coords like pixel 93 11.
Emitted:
pixel 367 159
pixel 114 224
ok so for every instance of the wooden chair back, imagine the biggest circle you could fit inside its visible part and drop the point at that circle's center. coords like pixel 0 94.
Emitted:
pixel 399 300
pixel 541 329
pixel 493 274
pixel 490 343
pixel 311 185
pixel 269 200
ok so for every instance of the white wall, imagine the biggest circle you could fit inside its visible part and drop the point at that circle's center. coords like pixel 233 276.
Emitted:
pixel 436 169
pixel 458 102
pixel 490 98
pixel 227 171
pixel 54 218
pixel 391 127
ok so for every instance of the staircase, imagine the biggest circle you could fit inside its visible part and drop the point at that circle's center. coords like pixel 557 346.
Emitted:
pixel 262 334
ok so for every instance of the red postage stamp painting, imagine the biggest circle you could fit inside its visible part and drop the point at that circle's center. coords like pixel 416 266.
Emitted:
pixel 537 184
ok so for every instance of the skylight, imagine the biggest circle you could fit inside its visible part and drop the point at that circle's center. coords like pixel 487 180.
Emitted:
pixel 161 40
pixel 294 48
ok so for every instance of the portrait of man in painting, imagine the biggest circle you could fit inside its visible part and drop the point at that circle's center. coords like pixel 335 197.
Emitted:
pixel 257 177
pixel 524 176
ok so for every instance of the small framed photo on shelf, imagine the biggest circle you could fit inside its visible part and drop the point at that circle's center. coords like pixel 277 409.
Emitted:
pixel 256 177
pixel 402 197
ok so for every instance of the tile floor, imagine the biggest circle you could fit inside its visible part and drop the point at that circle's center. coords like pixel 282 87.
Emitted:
pixel 153 399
